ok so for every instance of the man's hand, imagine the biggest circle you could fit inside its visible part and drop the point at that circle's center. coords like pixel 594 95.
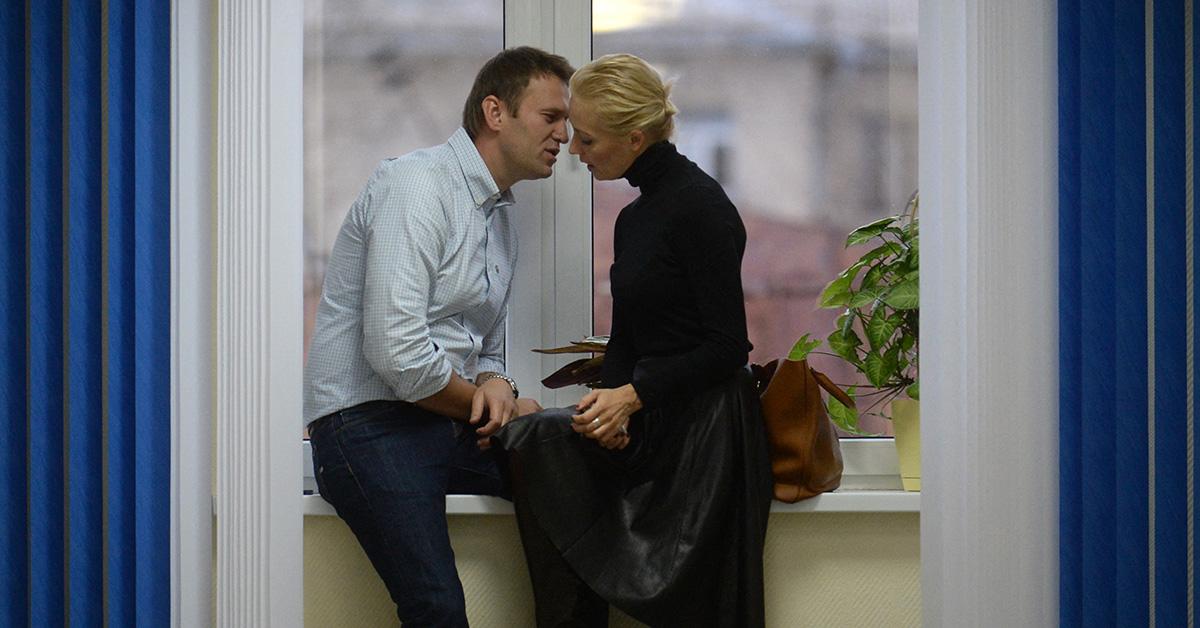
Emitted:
pixel 494 405
pixel 525 405
pixel 604 414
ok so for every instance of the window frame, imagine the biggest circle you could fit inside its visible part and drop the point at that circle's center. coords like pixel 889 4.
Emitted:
pixel 553 216
pixel 552 293
pixel 551 302
pixel 973 54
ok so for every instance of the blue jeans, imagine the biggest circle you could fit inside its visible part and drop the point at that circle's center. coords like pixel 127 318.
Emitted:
pixel 386 467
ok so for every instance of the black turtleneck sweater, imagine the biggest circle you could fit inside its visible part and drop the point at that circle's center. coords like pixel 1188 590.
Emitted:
pixel 679 318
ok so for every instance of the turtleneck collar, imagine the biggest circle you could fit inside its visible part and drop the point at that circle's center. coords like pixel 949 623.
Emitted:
pixel 648 169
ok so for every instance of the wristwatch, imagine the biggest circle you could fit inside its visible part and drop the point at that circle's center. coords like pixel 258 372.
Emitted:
pixel 511 382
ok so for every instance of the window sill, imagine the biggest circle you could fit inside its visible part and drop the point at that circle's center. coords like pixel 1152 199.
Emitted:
pixel 837 501
pixel 870 483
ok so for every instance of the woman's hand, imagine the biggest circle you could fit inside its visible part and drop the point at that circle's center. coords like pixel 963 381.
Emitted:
pixel 604 414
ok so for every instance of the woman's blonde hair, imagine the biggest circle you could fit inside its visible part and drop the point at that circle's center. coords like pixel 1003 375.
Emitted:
pixel 627 94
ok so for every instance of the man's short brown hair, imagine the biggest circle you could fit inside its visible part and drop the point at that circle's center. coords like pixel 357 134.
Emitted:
pixel 505 77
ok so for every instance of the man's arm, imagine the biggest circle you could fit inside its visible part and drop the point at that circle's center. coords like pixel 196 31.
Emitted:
pixel 453 401
pixel 405 236
pixel 491 352
pixel 492 399
pixel 491 362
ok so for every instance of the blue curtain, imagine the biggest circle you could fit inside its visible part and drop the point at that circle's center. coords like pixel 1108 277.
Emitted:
pixel 1123 239
pixel 85 320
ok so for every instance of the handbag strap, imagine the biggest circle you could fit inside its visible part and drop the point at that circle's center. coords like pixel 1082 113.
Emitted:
pixel 832 388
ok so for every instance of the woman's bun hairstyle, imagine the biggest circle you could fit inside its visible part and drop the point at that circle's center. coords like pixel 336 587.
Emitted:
pixel 627 94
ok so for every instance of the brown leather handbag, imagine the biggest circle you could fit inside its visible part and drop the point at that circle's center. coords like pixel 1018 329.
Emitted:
pixel 806 458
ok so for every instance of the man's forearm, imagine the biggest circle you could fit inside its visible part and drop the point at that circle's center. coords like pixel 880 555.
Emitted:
pixel 453 401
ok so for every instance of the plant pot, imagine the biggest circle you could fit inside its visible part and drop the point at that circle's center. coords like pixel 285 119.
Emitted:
pixel 906 422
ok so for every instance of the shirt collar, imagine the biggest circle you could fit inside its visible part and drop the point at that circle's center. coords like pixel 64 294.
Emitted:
pixel 484 192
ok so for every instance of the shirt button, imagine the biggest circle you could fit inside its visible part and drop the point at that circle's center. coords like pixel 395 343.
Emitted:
pixel 496 267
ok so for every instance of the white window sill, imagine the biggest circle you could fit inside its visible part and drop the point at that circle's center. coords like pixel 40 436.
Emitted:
pixel 842 500
pixel 870 483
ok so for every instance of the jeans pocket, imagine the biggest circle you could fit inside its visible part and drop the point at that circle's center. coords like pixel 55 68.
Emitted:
pixel 317 468
pixel 333 473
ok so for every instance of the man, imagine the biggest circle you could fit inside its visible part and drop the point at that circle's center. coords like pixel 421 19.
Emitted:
pixel 406 369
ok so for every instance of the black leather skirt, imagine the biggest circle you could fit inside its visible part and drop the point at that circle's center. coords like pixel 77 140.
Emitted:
pixel 670 529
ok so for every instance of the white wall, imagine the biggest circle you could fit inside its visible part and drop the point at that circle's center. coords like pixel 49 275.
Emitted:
pixel 822 570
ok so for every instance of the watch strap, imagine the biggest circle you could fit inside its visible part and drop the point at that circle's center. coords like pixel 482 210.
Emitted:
pixel 486 377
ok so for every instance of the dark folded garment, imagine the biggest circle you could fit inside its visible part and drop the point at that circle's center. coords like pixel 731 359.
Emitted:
pixel 670 529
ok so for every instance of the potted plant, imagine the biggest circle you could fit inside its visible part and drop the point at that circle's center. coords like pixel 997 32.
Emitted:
pixel 877 332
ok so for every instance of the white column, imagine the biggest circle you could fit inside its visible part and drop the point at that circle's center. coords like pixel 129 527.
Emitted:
pixel 191 315
pixel 989 320
pixel 259 199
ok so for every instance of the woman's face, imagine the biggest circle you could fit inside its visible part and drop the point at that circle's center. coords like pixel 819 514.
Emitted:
pixel 607 155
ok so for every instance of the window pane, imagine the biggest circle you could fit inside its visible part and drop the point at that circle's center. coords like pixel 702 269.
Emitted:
pixel 381 78
pixel 805 111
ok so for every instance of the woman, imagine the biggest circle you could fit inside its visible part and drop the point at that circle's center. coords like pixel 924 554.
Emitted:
pixel 653 493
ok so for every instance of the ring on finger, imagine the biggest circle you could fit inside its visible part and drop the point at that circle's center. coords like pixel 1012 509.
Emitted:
pixel 623 429
pixel 595 423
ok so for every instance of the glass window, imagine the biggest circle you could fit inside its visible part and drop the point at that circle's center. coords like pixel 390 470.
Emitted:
pixel 806 112
pixel 381 78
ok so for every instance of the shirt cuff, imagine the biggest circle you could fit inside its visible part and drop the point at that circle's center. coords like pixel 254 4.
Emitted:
pixel 434 378
pixel 494 365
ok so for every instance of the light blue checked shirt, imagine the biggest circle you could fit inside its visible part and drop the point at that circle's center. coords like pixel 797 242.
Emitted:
pixel 417 284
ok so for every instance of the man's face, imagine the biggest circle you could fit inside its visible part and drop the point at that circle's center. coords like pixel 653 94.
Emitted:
pixel 531 139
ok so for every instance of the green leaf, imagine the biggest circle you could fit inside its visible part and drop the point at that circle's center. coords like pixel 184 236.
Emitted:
pixel 875 369
pixel 844 321
pixel 870 280
pixel 863 298
pixel 802 348
pixel 914 390
pixel 836 294
pixel 881 327
pixel 850 274
pixel 886 249
pixel 903 296
pixel 843 416
pixel 844 343
pixel 891 364
pixel 869 230
pixel 907 342
pixel 852 271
